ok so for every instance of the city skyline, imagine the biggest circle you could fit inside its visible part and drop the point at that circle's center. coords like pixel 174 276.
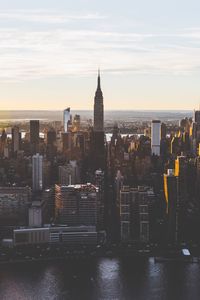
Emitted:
pixel 99 149
pixel 48 50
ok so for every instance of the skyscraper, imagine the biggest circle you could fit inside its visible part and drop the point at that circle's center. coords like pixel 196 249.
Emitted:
pixel 76 205
pixel 171 197
pixel 51 137
pixel 14 203
pixel 51 144
pixel 197 117
pixel 16 136
pixel 197 122
pixel 37 172
pixel 100 184
pixel 66 119
pixel 76 123
pixel 155 137
pixel 136 213
pixel 34 136
pixel 97 136
pixel 98 108
pixel 69 174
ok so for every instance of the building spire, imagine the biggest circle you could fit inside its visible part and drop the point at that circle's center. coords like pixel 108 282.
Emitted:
pixel 98 107
pixel 99 80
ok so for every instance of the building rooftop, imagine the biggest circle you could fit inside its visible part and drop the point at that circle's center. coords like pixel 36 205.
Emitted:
pixel 80 187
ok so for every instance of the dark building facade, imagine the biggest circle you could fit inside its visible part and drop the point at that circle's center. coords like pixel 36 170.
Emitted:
pixel 34 136
pixel 97 135
pixel 98 108
pixel 171 197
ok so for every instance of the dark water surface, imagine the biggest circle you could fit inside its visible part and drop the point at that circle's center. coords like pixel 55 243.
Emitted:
pixel 104 279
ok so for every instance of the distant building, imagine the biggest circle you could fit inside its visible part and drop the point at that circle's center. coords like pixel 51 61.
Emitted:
pixel 51 137
pixel 67 143
pixel 66 119
pixel 14 203
pixel 184 181
pixel 34 136
pixel 175 147
pixel 181 171
pixel 155 137
pixel 76 204
pixel 197 122
pixel 197 118
pixel 136 213
pixel 171 197
pixel 69 174
pixel 163 130
pixel 35 214
pixel 51 144
pixel 193 138
pixel 100 184
pixel 76 123
pixel 119 179
pixel 98 108
pixel 30 236
pixel 70 236
pixel 37 172
pixel 16 138
pixel 97 137
pixel 48 197
pixel 125 214
pixel 46 173
pixel 3 142
pixel 39 211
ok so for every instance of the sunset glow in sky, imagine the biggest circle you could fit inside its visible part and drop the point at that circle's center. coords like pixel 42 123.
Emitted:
pixel 148 52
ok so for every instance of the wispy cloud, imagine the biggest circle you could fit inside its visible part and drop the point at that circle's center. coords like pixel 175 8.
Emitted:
pixel 43 16
pixel 35 52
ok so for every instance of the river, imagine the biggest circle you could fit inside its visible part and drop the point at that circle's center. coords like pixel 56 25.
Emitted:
pixel 101 279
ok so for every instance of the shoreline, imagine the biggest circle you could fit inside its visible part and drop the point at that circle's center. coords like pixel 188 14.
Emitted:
pixel 157 259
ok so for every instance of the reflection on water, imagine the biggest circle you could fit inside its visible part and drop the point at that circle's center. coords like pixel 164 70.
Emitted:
pixel 100 279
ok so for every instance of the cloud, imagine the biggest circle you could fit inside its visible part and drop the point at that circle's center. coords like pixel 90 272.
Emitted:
pixel 34 52
pixel 43 16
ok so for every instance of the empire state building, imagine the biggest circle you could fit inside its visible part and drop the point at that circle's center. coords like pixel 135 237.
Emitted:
pixel 98 108
pixel 97 135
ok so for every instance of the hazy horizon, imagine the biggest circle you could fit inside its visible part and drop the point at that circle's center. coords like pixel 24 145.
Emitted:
pixel 110 116
pixel 125 110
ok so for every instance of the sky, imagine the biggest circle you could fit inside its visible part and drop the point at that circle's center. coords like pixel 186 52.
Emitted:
pixel 148 53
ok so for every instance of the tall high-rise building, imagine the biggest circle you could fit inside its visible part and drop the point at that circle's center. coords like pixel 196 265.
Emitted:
pixel 16 137
pixel 171 197
pixel 69 174
pixel 51 144
pixel 76 123
pixel 37 172
pixel 66 119
pixel 76 204
pixel 155 137
pixel 125 214
pixel 14 203
pixel 175 146
pixel 136 213
pixel 67 143
pixel 100 184
pixel 51 137
pixel 197 121
pixel 118 186
pixel 197 117
pixel 34 135
pixel 98 108
pixel 97 136
pixel 184 182
pixel 163 130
